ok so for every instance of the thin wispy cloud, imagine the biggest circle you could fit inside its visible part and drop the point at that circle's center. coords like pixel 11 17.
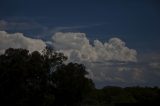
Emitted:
pixel 39 30
pixel 20 25
pixel 66 28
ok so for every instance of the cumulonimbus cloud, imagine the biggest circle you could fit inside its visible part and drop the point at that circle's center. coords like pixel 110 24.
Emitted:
pixel 76 46
pixel 18 40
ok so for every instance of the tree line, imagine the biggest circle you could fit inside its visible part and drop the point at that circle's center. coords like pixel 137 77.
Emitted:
pixel 42 79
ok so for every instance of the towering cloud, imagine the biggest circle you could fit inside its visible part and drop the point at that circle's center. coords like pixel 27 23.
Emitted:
pixel 18 40
pixel 108 63
pixel 76 46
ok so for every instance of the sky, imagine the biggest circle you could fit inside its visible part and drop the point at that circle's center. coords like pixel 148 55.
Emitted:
pixel 117 40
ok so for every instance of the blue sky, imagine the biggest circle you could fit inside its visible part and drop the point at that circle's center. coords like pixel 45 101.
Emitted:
pixel 136 22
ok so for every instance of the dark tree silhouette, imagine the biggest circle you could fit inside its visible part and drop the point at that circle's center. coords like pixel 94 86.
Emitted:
pixel 41 79
pixel 25 77
pixel 70 84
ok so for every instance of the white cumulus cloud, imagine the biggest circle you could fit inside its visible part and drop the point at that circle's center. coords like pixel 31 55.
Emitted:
pixel 105 62
pixel 102 60
pixel 18 40
pixel 78 48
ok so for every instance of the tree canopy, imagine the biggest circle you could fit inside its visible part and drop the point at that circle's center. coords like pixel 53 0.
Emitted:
pixel 42 79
